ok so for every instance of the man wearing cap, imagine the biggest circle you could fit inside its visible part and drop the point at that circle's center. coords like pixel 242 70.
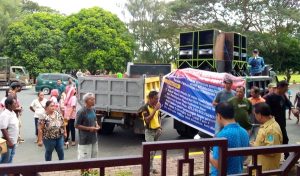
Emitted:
pixel 256 63
pixel 223 96
pixel 278 103
pixel 271 89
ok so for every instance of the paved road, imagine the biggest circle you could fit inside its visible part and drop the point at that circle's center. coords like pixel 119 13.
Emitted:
pixel 122 142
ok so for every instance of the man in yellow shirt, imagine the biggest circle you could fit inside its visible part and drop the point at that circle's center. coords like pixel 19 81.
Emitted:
pixel 150 113
pixel 269 134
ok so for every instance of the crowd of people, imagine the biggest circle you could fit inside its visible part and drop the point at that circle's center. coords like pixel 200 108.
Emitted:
pixel 55 121
pixel 254 121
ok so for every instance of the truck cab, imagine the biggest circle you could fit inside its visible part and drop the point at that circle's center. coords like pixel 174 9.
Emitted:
pixel 9 74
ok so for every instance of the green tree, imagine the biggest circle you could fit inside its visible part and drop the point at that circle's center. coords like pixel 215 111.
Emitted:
pixel 153 32
pixel 96 40
pixel 35 42
pixel 9 11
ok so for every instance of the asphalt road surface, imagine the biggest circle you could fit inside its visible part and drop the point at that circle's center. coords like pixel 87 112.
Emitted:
pixel 121 143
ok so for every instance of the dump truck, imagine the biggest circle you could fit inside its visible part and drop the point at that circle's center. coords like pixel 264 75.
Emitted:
pixel 10 74
pixel 117 100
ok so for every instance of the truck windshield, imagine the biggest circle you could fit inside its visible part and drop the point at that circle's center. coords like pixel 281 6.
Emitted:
pixel 19 70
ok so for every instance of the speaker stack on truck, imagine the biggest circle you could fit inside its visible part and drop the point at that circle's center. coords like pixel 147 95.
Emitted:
pixel 213 50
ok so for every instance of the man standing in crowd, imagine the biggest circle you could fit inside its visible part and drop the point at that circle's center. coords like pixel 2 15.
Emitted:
pixel 236 136
pixel 60 87
pixel 223 96
pixel 242 108
pixel 150 113
pixel 16 88
pixel 255 99
pixel 269 134
pixel 278 104
pixel 271 89
pixel 86 123
pixel 9 125
pixel 255 96
pixel 256 63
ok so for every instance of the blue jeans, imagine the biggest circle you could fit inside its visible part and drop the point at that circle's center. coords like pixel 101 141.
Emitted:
pixel 9 155
pixel 51 144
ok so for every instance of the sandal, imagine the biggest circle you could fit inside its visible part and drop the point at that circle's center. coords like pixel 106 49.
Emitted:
pixel 67 144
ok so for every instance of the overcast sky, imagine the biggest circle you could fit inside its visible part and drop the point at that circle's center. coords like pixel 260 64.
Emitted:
pixel 72 6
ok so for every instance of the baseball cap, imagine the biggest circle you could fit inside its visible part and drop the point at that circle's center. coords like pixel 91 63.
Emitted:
pixel 255 51
pixel 227 81
pixel 271 85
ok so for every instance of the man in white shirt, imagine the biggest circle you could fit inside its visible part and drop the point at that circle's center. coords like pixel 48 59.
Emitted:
pixel 9 125
pixel 38 107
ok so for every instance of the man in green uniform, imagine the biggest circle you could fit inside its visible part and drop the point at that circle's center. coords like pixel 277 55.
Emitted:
pixel 242 108
pixel 268 134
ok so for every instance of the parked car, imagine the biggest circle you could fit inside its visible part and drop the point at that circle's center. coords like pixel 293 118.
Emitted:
pixel 47 81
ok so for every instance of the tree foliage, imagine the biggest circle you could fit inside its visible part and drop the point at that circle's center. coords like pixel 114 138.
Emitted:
pixel 92 39
pixel 272 26
pixel 36 41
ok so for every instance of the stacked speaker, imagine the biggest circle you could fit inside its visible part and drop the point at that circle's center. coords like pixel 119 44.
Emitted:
pixel 213 50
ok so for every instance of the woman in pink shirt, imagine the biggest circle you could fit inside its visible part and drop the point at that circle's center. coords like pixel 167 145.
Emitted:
pixel 70 114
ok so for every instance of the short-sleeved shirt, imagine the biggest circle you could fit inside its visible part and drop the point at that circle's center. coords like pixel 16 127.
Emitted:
pixel 10 122
pixel 255 101
pixel 224 96
pixel 278 105
pixel 86 117
pixel 54 125
pixel 39 107
pixel 242 109
pixel 69 108
pixel 60 88
pixel 155 121
pixel 237 137
pixel 269 134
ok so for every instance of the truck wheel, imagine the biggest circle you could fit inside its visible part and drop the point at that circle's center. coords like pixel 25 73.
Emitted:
pixel 107 128
pixel 46 90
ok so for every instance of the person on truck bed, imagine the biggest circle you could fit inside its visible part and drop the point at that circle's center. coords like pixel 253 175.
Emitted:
pixel 256 63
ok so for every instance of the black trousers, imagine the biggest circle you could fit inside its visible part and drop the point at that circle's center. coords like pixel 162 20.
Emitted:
pixel 285 139
pixel 36 120
pixel 70 128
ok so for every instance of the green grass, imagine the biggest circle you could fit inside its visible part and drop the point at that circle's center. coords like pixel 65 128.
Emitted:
pixel 293 77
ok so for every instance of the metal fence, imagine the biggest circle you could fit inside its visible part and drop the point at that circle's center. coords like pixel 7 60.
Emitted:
pixel 164 146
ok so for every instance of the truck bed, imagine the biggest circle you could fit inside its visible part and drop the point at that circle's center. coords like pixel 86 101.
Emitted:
pixel 125 95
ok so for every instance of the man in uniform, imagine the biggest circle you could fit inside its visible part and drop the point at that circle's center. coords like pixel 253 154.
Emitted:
pixel 269 134
pixel 150 113
pixel 256 63
pixel 242 108
pixel 278 103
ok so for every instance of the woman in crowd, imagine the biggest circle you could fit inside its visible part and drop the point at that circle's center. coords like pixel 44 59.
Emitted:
pixel 38 107
pixel 54 98
pixel 52 130
pixel 70 114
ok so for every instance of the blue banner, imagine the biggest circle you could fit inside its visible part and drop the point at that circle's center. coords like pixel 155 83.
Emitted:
pixel 187 96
